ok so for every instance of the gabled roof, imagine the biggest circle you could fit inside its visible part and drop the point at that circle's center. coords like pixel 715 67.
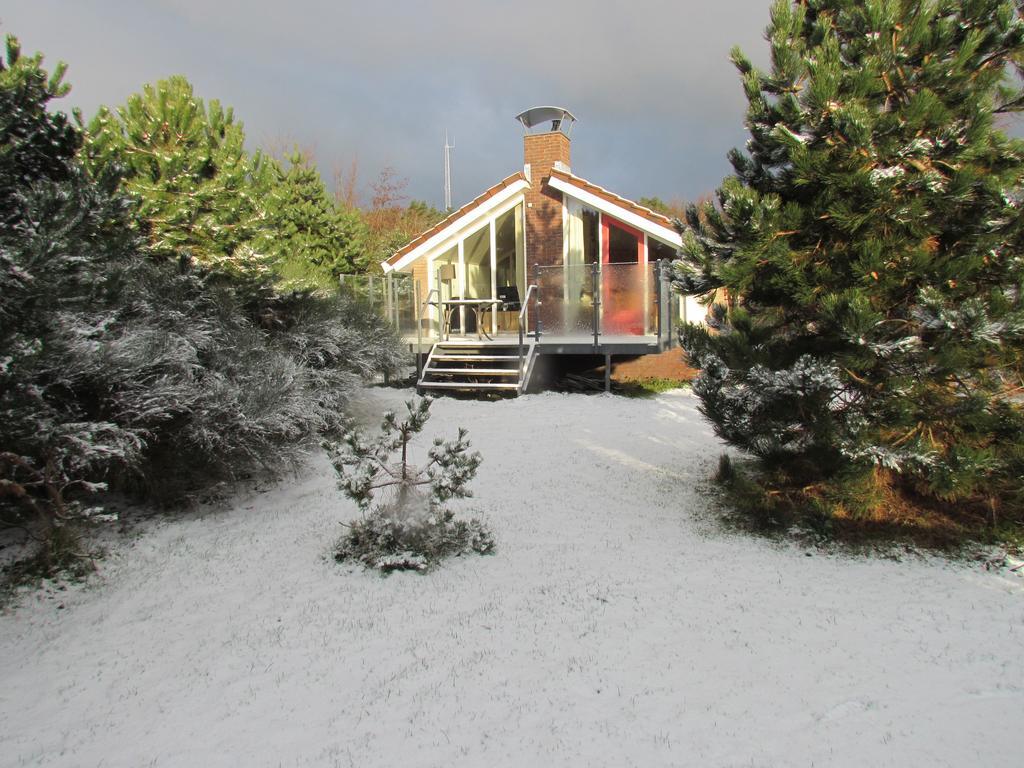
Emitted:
pixel 591 194
pixel 615 205
pixel 454 218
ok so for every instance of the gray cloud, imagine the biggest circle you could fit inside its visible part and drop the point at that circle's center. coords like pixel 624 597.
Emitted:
pixel 658 101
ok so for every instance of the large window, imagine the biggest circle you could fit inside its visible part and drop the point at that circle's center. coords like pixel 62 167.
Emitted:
pixel 591 244
pixel 581 235
pixel 623 245
pixel 491 264
pixel 476 256
pixel 508 247
pixel 476 259
pixel 658 250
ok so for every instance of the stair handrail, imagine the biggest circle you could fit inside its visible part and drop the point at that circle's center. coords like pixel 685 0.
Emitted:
pixel 524 315
pixel 419 332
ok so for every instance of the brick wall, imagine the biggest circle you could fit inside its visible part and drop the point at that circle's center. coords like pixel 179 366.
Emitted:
pixel 543 204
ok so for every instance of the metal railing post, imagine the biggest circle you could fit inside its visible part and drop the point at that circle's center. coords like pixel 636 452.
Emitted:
pixel 521 340
pixel 536 323
pixel 440 310
pixel 418 315
pixel 595 291
pixel 670 320
pixel 389 299
pixel 657 296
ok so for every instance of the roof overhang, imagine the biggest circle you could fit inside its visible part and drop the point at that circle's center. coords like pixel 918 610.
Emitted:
pixel 458 223
pixel 644 224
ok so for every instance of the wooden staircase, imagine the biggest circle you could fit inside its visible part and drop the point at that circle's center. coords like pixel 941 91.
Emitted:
pixel 478 367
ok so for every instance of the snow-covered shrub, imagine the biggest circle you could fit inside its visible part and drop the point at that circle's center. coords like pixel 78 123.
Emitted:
pixel 238 393
pixel 126 371
pixel 382 541
pixel 406 525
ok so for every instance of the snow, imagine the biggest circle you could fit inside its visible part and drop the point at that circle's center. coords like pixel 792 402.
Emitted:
pixel 889 172
pixel 803 137
pixel 919 146
pixel 617 625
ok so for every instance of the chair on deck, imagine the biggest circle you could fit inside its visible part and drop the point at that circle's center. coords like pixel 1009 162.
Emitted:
pixel 509 308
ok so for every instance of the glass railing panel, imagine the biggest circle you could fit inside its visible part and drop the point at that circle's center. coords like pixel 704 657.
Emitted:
pixel 393 297
pixel 627 292
pixel 403 304
pixel 550 288
pixel 369 288
pixel 567 300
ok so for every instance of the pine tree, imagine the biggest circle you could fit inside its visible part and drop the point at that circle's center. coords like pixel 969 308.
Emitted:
pixel 59 230
pixel 311 241
pixel 185 164
pixel 36 144
pixel 866 255
pixel 410 528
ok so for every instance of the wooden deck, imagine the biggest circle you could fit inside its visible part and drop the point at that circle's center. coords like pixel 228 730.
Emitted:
pixel 559 344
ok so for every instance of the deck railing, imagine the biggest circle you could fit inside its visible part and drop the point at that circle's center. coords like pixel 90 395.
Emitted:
pixel 394 296
pixel 524 323
pixel 602 300
pixel 573 302
pixel 421 310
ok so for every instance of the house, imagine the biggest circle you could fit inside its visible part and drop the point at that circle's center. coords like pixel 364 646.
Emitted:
pixel 542 263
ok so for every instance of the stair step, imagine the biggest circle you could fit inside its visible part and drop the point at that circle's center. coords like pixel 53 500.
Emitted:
pixel 478 347
pixel 505 364
pixel 486 348
pixel 471 358
pixel 476 371
pixel 464 385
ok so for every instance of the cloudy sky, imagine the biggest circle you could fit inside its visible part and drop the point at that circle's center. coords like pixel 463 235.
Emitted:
pixel 379 81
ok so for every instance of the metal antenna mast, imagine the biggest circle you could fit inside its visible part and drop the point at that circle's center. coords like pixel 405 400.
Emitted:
pixel 447 172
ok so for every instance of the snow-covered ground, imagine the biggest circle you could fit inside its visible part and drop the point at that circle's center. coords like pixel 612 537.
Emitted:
pixel 617 625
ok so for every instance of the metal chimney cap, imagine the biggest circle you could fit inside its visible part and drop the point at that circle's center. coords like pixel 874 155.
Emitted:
pixel 560 117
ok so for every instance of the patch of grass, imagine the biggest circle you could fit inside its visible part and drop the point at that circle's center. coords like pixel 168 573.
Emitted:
pixel 646 387
pixel 591 383
pixel 60 555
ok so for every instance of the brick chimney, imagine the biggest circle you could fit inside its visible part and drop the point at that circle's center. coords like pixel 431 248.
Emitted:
pixel 541 151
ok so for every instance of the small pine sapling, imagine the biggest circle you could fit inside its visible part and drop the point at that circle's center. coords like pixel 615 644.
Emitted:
pixel 405 524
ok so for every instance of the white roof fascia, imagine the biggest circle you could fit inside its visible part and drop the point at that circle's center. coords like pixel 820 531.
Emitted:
pixel 670 236
pixel 462 222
